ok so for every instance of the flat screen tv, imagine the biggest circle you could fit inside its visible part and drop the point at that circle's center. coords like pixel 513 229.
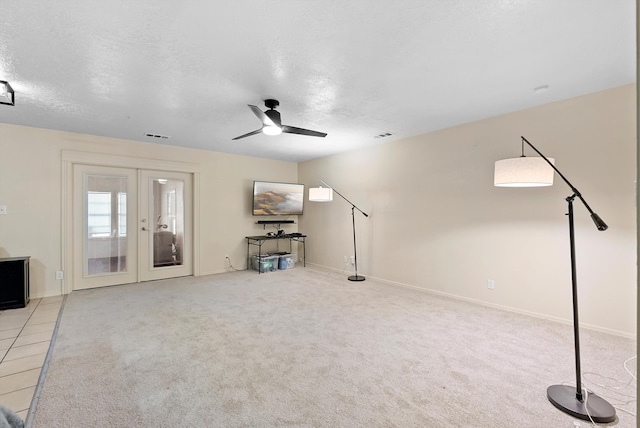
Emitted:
pixel 271 198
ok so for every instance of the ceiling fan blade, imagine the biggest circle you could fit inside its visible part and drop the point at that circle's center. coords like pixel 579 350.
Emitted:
pixel 301 131
pixel 263 117
pixel 257 131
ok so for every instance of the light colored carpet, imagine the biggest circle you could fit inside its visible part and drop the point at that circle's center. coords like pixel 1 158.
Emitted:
pixel 307 348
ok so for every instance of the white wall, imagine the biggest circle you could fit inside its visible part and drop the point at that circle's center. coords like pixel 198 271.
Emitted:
pixel 31 187
pixel 438 223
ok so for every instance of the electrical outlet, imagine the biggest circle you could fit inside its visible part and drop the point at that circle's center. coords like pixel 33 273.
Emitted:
pixel 491 284
pixel 353 260
pixel 59 274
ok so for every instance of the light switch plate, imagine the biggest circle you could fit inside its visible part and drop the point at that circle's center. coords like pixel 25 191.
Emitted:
pixel 3 209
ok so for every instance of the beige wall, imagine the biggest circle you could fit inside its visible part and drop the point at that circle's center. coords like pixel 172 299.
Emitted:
pixel 438 223
pixel 31 187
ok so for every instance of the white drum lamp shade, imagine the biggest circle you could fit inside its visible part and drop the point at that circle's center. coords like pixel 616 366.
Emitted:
pixel 320 194
pixel 523 172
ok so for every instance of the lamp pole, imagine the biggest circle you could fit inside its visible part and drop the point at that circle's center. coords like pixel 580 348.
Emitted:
pixel 564 397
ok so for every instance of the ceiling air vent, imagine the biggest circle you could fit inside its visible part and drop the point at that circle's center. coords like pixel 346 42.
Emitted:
pixel 163 137
pixel 383 135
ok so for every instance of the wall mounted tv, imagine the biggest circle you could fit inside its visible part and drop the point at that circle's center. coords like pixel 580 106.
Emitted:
pixel 271 198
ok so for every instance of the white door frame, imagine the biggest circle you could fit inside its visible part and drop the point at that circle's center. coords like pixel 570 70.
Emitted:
pixel 71 157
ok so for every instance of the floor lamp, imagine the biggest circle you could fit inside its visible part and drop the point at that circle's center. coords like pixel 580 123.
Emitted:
pixel 321 194
pixel 530 172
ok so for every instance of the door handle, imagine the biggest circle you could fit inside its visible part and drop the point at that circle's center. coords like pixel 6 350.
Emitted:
pixel 144 228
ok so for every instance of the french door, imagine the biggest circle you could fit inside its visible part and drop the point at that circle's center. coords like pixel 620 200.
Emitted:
pixel 166 229
pixel 130 225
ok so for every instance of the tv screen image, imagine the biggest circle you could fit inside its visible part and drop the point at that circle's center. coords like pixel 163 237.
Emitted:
pixel 271 198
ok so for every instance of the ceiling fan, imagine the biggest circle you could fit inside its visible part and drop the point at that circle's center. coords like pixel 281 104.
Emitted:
pixel 271 124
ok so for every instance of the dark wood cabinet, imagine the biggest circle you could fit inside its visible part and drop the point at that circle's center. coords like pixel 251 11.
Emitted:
pixel 14 282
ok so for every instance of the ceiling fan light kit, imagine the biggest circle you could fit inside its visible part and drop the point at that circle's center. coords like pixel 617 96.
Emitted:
pixel 271 130
pixel 272 124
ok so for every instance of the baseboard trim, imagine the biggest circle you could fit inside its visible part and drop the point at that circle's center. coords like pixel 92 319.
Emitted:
pixel 587 326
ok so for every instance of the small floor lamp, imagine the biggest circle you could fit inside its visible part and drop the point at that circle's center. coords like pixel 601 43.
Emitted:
pixel 530 172
pixel 321 194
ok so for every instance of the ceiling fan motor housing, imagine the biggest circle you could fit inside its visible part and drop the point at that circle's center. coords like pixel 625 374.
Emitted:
pixel 274 116
pixel 271 103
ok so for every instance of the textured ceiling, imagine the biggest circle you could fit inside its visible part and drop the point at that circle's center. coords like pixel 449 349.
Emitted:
pixel 353 69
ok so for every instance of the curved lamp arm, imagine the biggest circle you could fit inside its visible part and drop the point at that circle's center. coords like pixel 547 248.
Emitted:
pixel 352 204
pixel 600 224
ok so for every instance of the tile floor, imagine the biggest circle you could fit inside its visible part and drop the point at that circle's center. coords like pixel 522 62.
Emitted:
pixel 25 334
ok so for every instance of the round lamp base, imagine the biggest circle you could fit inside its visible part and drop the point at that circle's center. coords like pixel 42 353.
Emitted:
pixel 564 398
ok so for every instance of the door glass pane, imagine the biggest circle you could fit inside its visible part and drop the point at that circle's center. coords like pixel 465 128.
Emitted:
pixel 106 225
pixel 167 208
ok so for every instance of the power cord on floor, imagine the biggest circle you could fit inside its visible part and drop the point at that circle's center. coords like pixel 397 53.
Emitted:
pixel 611 388
pixel 586 407
pixel 615 386
pixel 229 265
pixel 627 368
pixel 346 265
